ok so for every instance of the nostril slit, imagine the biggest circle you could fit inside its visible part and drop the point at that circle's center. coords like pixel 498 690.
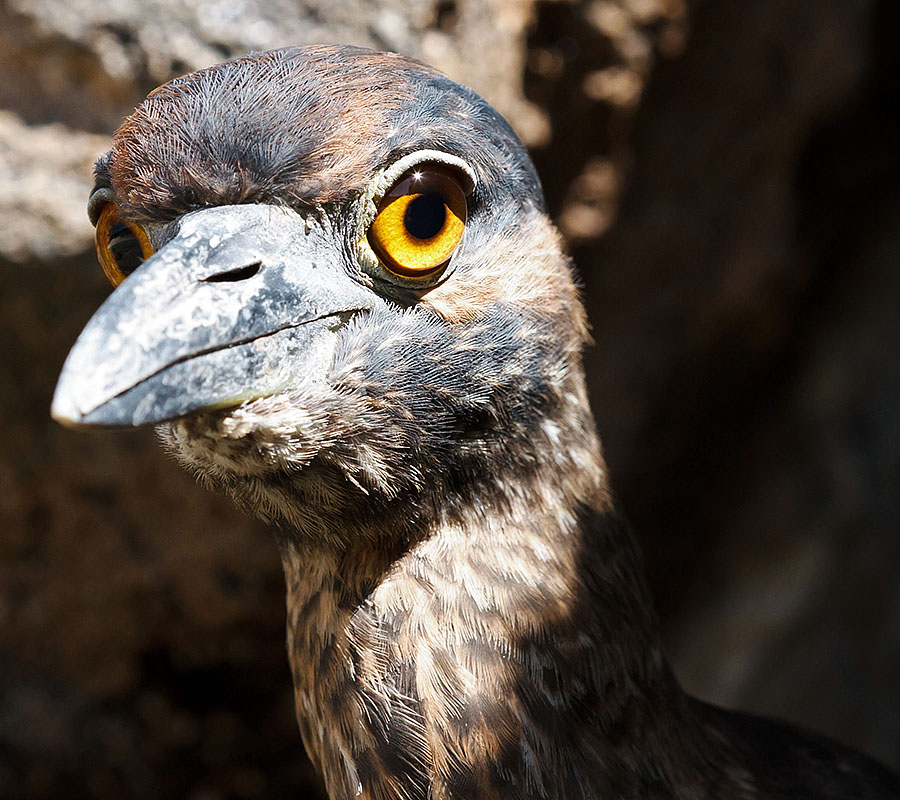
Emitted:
pixel 237 274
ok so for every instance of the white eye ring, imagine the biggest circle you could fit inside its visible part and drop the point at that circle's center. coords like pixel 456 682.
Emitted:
pixel 388 177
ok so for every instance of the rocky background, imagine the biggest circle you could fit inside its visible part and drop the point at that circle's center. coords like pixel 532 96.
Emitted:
pixel 728 178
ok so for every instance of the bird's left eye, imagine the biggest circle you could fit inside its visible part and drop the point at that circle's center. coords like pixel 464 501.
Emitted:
pixel 122 246
pixel 419 222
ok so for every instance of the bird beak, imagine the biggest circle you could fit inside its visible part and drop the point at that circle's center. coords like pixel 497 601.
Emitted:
pixel 243 301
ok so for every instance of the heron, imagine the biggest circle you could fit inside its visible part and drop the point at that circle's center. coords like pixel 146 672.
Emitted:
pixel 341 300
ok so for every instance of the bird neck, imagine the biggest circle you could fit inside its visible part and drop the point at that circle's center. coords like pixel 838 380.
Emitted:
pixel 513 645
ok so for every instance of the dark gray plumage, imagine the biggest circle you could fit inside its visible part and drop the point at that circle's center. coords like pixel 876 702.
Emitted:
pixel 467 616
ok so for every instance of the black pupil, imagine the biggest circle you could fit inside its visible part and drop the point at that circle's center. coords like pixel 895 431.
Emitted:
pixel 425 216
pixel 125 248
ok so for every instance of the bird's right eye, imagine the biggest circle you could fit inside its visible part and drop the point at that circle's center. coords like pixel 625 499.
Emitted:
pixel 122 246
pixel 420 222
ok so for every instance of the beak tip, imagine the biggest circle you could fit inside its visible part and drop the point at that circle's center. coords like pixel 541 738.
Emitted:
pixel 70 400
pixel 64 410
pixel 77 401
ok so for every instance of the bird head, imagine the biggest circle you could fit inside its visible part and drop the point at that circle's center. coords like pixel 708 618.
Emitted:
pixel 328 262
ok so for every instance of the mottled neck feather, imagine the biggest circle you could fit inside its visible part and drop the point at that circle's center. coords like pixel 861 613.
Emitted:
pixel 510 652
pixel 467 614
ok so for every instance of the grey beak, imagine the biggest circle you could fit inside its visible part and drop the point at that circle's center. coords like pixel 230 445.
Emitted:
pixel 235 306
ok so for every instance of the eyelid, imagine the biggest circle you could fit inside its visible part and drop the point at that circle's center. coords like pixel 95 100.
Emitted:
pixel 98 200
pixel 385 182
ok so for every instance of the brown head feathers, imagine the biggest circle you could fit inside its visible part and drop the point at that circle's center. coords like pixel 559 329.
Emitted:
pixel 298 126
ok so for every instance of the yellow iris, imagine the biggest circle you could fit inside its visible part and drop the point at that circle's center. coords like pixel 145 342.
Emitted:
pixel 419 223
